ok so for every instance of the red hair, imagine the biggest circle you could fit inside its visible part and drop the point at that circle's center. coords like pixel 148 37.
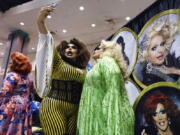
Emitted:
pixel 151 105
pixel 20 63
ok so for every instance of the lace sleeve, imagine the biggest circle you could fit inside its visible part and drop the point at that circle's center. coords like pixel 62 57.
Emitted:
pixel 44 61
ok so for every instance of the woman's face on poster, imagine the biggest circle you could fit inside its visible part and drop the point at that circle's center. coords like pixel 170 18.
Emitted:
pixel 156 51
pixel 160 118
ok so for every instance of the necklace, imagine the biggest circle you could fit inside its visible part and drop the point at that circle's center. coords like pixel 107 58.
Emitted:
pixel 151 67
pixel 156 70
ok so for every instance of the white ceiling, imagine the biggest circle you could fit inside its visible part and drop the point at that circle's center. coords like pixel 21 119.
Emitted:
pixel 68 16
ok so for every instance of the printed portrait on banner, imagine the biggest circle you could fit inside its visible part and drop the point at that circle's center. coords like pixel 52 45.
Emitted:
pixel 158 51
pixel 157 111
pixel 133 91
pixel 128 40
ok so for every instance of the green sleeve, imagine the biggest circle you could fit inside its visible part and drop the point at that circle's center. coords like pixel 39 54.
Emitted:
pixel 112 105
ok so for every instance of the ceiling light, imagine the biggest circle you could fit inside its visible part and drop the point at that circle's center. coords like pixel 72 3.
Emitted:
pixel 32 48
pixel 64 30
pixel 1 43
pixel 93 25
pixel 2 53
pixel 81 8
pixel 49 17
pixel 128 18
pixel 21 23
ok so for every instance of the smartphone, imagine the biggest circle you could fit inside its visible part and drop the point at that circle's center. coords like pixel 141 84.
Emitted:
pixel 54 4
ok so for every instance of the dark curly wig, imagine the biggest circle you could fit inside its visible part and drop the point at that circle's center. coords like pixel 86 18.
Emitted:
pixel 83 53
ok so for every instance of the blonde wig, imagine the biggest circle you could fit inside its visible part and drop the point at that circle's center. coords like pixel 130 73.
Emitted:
pixel 165 28
pixel 114 50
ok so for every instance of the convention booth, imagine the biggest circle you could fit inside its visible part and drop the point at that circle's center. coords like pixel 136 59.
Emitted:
pixel 151 47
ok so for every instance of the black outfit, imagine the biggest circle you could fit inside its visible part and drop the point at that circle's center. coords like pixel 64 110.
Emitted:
pixel 154 76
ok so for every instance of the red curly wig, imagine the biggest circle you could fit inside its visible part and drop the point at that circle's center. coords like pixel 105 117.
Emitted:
pixel 20 63
pixel 151 105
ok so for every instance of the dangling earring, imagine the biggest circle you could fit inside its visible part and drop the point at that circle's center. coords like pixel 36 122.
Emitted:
pixel 169 121
pixel 166 61
pixel 155 126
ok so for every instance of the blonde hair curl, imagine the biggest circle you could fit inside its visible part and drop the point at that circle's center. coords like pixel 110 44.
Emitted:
pixel 161 27
pixel 114 50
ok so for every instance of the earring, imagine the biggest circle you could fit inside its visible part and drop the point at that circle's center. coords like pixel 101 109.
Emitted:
pixel 169 121
pixel 166 61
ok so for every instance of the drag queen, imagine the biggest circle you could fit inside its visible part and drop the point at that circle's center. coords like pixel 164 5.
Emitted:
pixel 104 105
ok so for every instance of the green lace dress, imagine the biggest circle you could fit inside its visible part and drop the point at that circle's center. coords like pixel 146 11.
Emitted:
pixel 104 106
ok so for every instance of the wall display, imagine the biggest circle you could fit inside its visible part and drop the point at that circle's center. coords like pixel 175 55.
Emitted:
pixel 154 61
pixel 132 91
pixel 158 53
pixel 128 40
pixel 157 110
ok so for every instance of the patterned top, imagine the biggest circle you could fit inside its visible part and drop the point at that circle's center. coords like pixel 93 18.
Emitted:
pixel 64 71
pixel 104 105
pixel 66 82
pixel 51 68
pixel 55 77
pixel 15 112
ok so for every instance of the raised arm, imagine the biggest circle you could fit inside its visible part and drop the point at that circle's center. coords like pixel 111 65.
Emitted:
pixel 44 12
pixel 44 54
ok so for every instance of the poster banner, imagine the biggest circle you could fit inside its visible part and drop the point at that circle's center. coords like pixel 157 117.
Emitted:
pixel 157 110
pixel 128 40
pixel 159 50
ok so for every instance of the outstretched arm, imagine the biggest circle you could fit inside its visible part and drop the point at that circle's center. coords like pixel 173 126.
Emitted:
pixel 45 53
pixel 44 12
pixel 170 70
